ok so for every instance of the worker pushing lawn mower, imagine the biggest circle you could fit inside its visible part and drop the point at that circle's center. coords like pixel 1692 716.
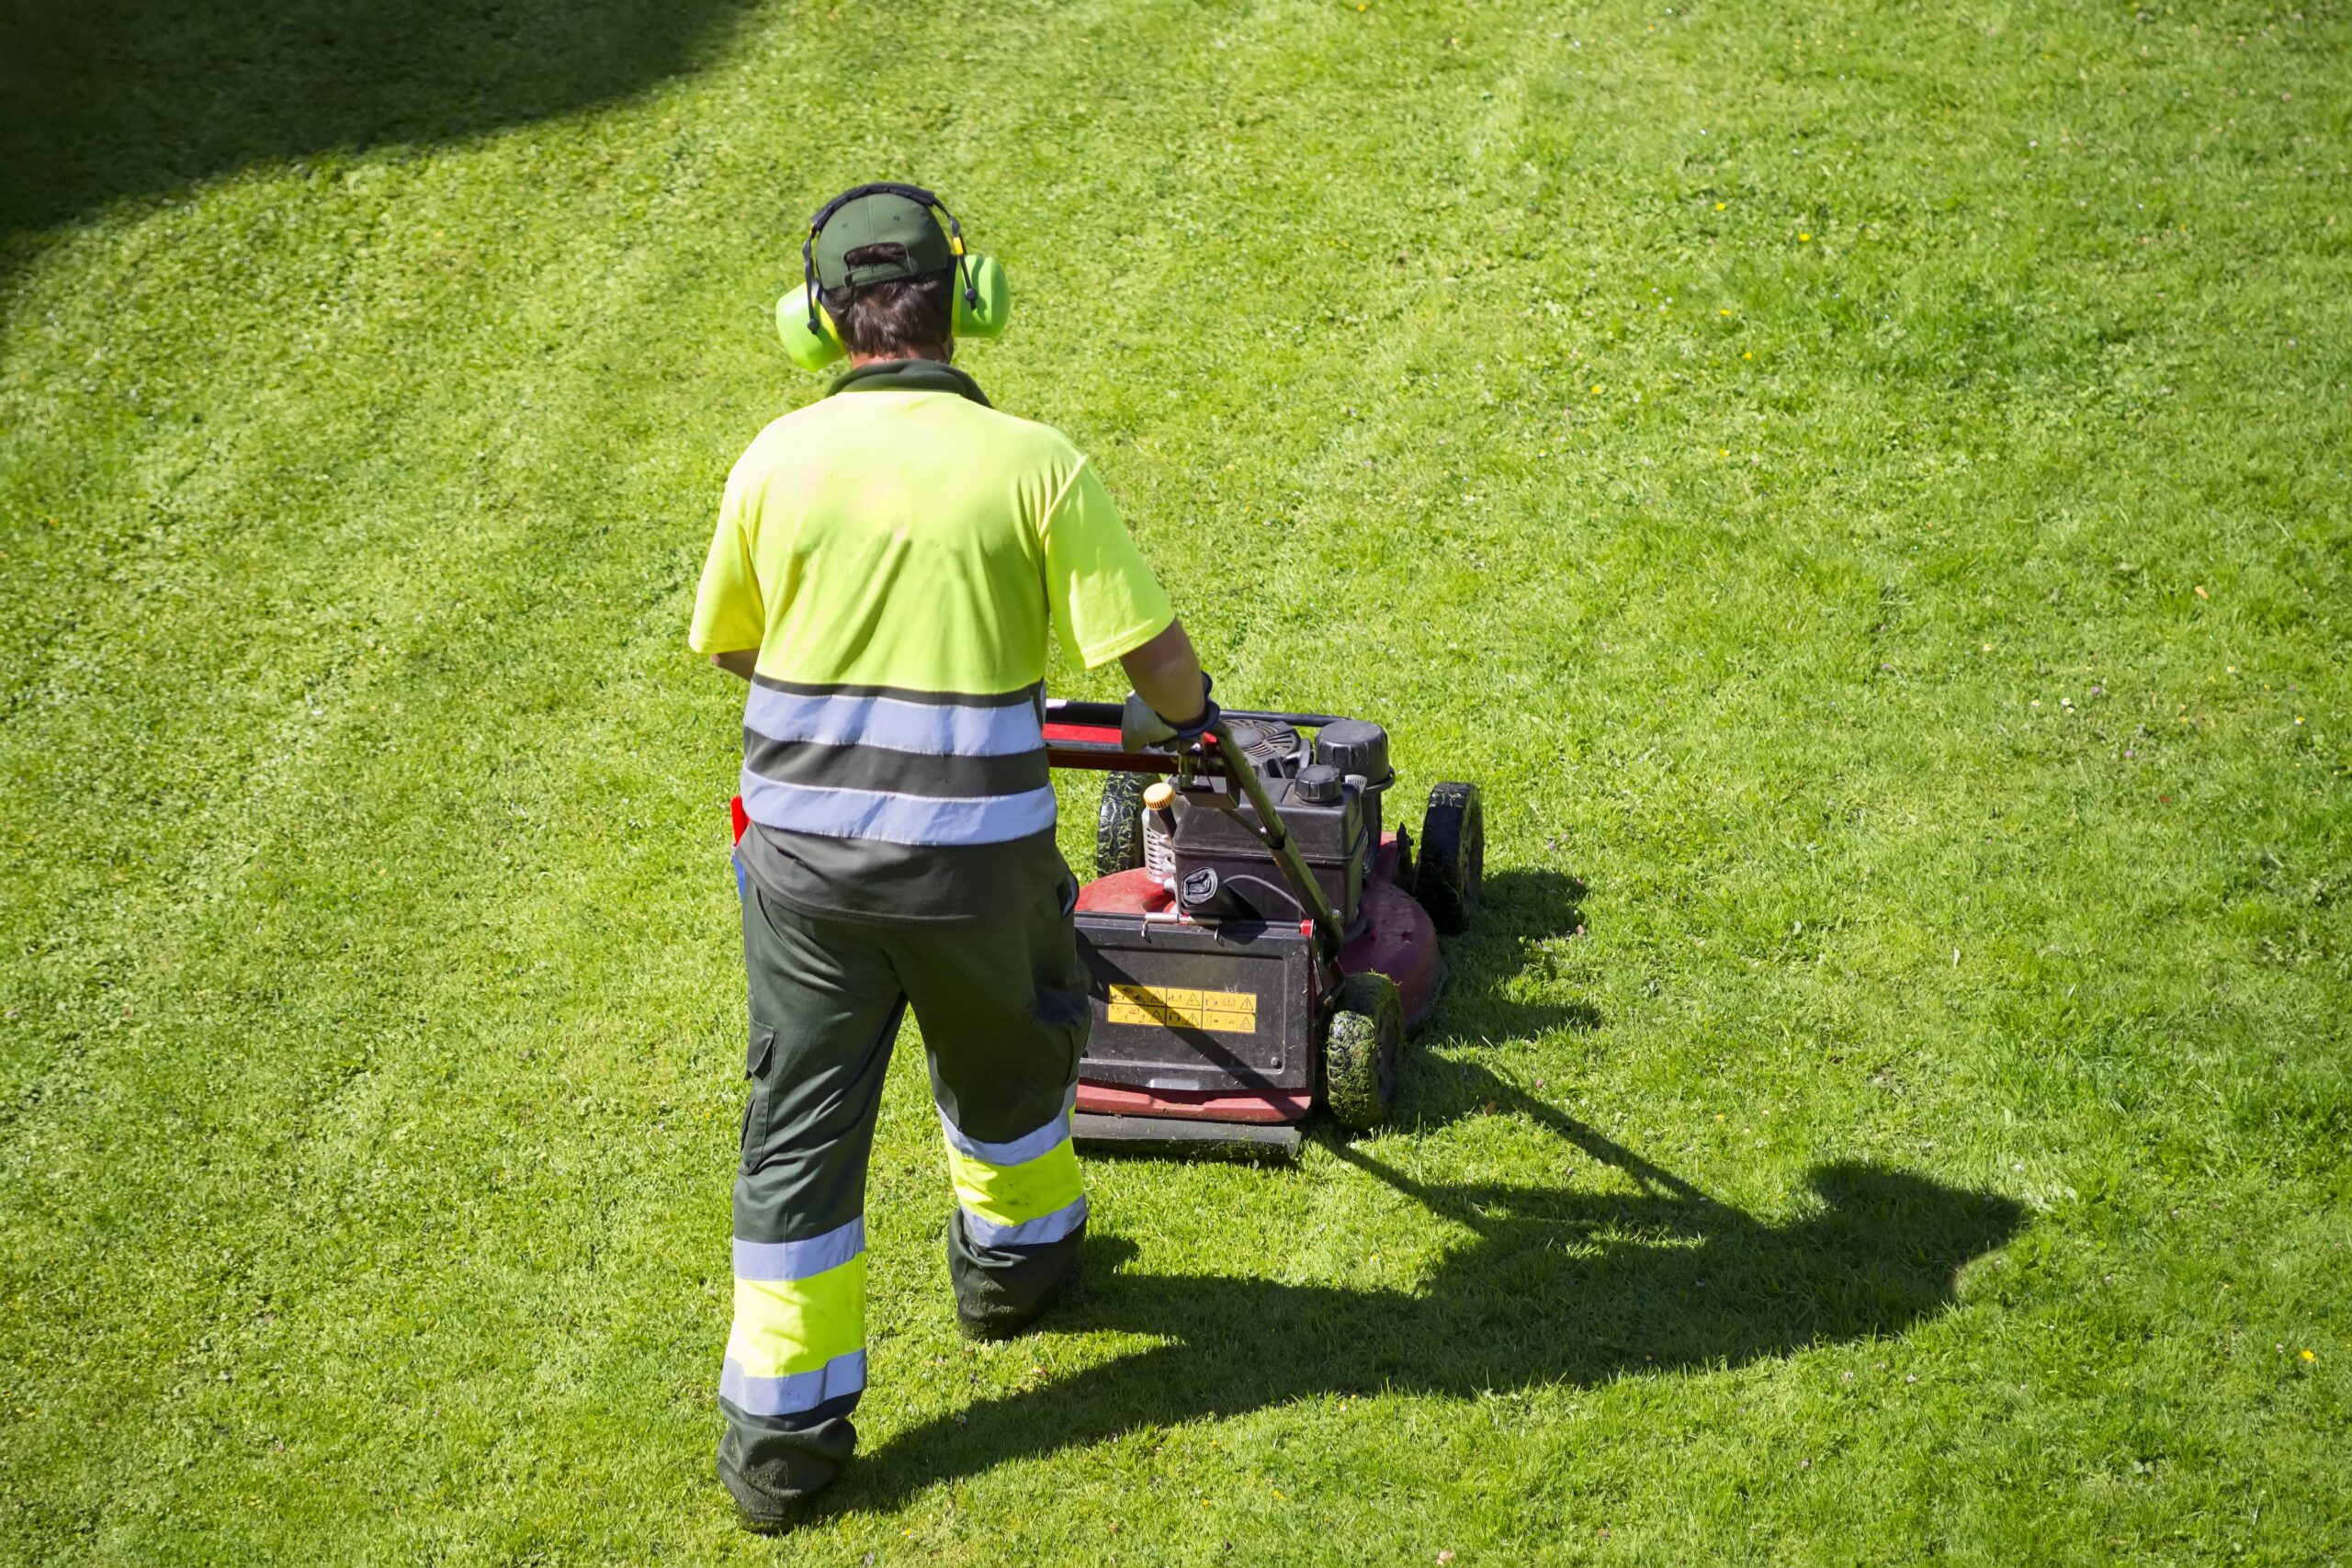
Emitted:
pixel 886 566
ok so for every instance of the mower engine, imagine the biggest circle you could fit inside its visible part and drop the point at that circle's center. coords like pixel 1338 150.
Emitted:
pixel 1257 943
pixel 1327 795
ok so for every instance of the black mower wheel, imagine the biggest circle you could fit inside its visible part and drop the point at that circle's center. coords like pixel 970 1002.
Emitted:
pixel 1360 1051
pixel 1453 856
pixel 1118 824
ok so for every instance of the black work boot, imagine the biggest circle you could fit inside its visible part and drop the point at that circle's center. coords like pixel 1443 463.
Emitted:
pixel 773 1491
pixel 1000 1291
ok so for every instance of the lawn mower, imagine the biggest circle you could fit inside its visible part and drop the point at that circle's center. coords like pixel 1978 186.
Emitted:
pixel 1258 944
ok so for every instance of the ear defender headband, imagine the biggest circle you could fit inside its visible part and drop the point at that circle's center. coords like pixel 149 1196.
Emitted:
pixel 904 217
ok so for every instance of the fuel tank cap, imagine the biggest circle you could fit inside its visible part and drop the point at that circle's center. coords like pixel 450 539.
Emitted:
pixel 1318 785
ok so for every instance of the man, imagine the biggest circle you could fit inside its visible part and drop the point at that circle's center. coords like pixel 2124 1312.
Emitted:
pixel 886 565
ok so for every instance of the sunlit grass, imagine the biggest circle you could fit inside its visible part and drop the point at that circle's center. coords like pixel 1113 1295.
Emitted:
pixel 1863 491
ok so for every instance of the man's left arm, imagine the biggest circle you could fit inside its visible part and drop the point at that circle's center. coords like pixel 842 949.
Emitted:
pixel 1106 603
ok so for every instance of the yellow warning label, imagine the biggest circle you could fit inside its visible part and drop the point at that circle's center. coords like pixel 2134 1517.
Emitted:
pixel 1224 1012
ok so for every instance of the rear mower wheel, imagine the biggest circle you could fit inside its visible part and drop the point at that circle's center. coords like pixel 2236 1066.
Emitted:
pixel 1118 824
pixel 1453 856
pixel 1360 1049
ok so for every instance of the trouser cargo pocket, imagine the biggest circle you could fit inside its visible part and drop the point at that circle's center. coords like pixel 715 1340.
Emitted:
pixel 758 1113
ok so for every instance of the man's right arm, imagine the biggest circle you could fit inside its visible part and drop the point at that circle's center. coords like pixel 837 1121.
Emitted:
pixel 1166 673
pixel 730 618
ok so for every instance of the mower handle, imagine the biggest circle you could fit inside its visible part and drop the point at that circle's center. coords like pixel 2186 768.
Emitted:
pixel 1085 736
pixel 1069 710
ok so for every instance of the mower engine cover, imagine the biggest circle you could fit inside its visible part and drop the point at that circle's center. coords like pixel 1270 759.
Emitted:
pixel 1329 796
pixel 1223 868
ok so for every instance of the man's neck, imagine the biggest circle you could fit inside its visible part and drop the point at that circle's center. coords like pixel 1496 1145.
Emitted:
pixel 916 373
pixel 937 355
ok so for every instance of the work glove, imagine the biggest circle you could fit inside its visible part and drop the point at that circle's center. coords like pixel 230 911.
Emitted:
pixel 1141 729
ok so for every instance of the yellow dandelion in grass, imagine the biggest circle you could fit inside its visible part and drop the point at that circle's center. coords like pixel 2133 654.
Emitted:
pixel 1804 239
pixel 1725 312
pixel 2308 1357
pixel 1596 389
pixel 1749 355
pixel 1723 451
pixel 1720 206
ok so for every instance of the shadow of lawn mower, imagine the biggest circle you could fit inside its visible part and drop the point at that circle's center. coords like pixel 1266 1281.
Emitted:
pixel 1257 944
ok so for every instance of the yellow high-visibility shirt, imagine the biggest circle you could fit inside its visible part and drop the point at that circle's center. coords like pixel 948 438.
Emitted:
pixel 897 553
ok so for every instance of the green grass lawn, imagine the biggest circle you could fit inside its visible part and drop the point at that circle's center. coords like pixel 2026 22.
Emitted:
pixel 1863 487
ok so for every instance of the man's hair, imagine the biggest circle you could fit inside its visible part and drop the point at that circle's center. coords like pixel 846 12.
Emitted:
pixel 898 318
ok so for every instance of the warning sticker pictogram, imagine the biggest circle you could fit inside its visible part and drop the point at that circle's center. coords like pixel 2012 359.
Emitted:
pixel 1224 1012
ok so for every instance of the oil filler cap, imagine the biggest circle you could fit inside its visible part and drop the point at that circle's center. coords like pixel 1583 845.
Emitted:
pixel 1316 785
pixel 1354 746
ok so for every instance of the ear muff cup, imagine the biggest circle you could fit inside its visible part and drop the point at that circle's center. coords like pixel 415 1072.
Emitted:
pixel 810 351
pixel 986 319
pixel 815 351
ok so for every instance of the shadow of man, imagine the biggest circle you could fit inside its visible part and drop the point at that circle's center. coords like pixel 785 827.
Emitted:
pixel 1553 1286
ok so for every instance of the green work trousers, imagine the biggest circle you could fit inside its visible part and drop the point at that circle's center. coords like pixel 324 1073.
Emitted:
pixel 1003 1012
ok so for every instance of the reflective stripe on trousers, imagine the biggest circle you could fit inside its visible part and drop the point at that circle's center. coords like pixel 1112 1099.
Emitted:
pixel 799 1339
pixel 1022 1193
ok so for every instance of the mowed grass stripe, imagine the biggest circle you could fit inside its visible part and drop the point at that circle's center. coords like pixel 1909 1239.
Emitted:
pixel 1746 701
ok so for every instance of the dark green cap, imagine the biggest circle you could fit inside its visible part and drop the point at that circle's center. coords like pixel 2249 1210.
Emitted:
pixel 882 218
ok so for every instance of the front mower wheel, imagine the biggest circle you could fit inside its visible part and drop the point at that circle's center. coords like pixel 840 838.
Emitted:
pixel 1360 1050
pixel 1118 824
pixel 1453 856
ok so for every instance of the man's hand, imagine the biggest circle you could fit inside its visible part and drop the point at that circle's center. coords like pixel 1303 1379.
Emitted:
pixel 737 662
pixel 1141 729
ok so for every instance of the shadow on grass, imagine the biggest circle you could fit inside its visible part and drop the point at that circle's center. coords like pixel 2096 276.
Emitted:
pixel 101 99
pixel 1553 1285
pixel 1521 910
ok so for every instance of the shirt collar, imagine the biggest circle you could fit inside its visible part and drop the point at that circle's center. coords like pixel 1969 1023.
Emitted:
pixel 910 376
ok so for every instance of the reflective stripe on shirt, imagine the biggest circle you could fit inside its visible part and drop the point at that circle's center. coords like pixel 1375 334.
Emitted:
pixel 944 726
pixel 896 767
pixel 894 818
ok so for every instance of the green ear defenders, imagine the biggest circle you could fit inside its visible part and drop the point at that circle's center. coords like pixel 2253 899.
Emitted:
pixel 886 213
